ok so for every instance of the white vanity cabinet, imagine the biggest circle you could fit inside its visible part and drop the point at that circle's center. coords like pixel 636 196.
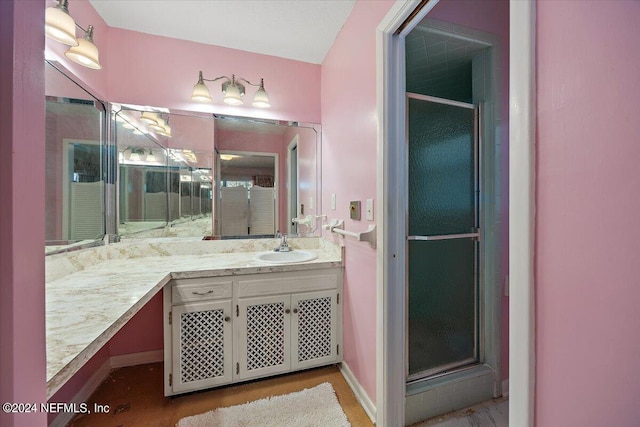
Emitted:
pixel 221 330
pixel 198 326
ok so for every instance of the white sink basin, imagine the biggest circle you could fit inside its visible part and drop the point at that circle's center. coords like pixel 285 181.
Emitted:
pixel 291 257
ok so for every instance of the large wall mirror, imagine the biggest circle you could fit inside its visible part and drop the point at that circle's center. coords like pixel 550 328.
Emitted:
pixel 76 155
pixel 165 174
pixel 187 175
pixel 173 174
pixel 267 178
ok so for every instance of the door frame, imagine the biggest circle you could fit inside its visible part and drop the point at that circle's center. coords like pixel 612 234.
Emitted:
pixel 291 190
pixel 391 164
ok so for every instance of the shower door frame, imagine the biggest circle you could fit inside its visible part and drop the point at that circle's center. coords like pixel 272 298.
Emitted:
pixel 477 235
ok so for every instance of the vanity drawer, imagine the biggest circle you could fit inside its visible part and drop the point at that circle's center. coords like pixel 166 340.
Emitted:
pixel 184 291
pixel 279 283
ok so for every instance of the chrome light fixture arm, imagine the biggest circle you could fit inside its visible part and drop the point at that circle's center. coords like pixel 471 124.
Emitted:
pixel 233 90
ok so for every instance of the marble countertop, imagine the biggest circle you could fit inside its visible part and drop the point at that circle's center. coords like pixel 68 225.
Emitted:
pixel 91 295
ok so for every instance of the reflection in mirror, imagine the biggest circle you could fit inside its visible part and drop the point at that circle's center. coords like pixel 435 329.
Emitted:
pixel 75 156
pixel 247 197
pixel 172 185
pixel 191 194
pixel 164 191
pixel 285 194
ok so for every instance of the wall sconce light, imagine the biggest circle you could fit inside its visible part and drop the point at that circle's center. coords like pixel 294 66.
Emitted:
pixel 135 153
pixel 233 91
pixel 60 26
pixel 151 157
pixel 156 122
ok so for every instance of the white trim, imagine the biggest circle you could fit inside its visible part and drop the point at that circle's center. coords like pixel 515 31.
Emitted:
pixel 522 125
pixel 361 395
pixel 84 393
pixel 134 359
pixel 101 374
pixel 390 95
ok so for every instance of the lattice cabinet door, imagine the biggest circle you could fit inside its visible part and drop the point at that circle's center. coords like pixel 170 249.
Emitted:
pixel 202 345
pixel 264 330
pixel 314 328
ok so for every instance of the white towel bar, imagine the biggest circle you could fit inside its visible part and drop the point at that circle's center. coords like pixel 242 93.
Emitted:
pixel 337 226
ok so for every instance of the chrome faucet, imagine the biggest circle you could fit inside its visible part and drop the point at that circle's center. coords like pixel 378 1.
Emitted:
pixel 284 246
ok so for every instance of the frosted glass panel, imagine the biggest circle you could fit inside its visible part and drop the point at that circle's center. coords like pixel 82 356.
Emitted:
pixel 442 307
pixel 441 172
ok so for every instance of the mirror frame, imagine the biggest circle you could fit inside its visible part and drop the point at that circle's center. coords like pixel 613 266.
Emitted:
pixel 104 163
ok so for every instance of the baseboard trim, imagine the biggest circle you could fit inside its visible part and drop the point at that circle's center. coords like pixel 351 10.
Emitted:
pixel 84 393
pixel 134 359
pixel 114 362
pixel 505 388
pixel 358 391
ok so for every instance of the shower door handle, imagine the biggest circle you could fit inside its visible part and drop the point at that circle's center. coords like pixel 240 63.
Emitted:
pixel 446 236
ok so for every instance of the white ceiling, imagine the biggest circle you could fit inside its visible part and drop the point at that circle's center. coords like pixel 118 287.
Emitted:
pixel 302 30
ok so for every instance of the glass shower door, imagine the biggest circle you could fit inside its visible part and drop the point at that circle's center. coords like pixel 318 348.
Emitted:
pixel 442 236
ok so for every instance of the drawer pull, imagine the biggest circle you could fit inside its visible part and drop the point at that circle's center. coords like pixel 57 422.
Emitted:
pixel 287 310
pixel 295 310
pixel 210 291
pixel 227 319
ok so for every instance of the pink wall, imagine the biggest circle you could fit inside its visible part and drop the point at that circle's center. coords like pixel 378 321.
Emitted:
pixel 587 209
pixel 22 328
pixel 492 16
pixel 349 150
pixel 293 86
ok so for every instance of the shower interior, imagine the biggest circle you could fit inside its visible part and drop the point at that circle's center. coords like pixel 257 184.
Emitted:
pixel 445 73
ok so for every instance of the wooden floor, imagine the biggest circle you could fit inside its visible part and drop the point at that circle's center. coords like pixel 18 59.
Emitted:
pixel 135 397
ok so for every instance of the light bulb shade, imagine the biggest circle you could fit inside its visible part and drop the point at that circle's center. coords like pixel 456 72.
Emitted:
pixel 261 99
pixel 59 25
pixel 156 127
pixel 86 53
pixel 151 157
pixel 166 131
pixel 232 95
pixel 201 91
pixel 150 117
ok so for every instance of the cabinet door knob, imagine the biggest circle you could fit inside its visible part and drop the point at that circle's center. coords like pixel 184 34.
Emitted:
pixel 286 310
pixel 295 310
pixel 227 319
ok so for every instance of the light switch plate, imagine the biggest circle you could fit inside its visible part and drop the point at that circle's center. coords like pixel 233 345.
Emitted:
pixel 333 202
pixel 354 210
pixel 369 210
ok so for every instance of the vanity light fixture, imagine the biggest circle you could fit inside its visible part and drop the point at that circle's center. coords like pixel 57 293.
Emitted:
pixel 60 26
pixel 149 117
pixel 151 157
pixel 162 127
pixel 233 91
pixel 86 53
